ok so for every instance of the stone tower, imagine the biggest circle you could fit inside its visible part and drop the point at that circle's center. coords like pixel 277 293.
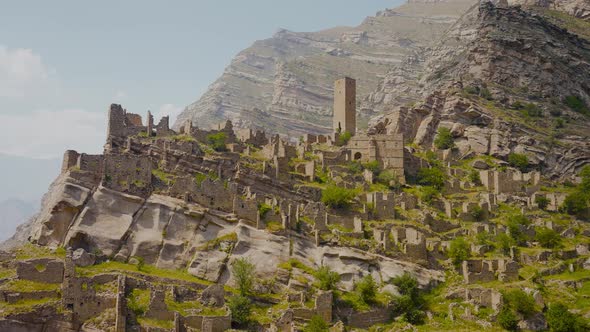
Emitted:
pixel 345 105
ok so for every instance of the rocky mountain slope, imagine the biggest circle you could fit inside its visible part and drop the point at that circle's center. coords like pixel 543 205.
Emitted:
pixel 285 83
pixel 213 229
pixel 504 80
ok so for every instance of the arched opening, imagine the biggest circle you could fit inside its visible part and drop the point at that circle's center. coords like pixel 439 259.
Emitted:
pixel 357 156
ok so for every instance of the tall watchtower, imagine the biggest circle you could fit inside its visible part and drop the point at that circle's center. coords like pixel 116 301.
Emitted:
pixel 345 106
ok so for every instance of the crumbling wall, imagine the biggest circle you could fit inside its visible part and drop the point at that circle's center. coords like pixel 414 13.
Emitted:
pixel 128 173
pixel 45 270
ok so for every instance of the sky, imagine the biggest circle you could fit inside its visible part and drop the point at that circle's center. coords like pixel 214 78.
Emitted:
pixel 62 63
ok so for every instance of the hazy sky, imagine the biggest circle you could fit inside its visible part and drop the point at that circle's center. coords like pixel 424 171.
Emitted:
pixel 63 62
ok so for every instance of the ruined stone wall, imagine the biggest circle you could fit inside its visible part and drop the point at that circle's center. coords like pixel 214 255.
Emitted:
pixel 370 318
pixel 45 270
pixel 128 173
pixel 123 124
pixel 70 159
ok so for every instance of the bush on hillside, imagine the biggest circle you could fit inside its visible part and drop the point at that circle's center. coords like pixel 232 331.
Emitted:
pixel 337 197
pixel 444 139
pixel 518 160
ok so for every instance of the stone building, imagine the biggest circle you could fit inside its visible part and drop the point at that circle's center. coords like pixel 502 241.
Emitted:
pixel 345 106
pixel 387 149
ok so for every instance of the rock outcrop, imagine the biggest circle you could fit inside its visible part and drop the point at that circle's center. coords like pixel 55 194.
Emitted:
pixel 284 83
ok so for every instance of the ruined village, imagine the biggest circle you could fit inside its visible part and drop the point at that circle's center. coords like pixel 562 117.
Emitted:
pixel 144 236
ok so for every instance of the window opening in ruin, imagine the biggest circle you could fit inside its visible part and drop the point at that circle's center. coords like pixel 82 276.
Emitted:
pixel 357 156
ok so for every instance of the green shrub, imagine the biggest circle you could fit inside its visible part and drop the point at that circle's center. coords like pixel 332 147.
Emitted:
pixel 243 273
pixel 240 307
pixel 138 301
pixel 508 320
pixel 533 110
pixel 326 278
pixel 263 209
pixel 520 161
pixel 410 303
pixel 559 123
pixel 474 177
pixel 355 167
pixel 343 138
pixel 459 251
pixel 477 213
pixel 140 263
pixel 542 202
pixel 576 104
pixel 548 238
pixel 316 324
pixel 366 289
pixel 337 197
pixel 217 141
pixel 428 194
pixel 576 204
pixel 514 227
pixel 389 178
pixel 444 139
pixel 519 301
pixel 505 242
pixel 433 176
pixel 373 166
pixel 560 319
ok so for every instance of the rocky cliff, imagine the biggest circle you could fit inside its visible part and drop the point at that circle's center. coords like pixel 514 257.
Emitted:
pixel 285 83
pixel 502 79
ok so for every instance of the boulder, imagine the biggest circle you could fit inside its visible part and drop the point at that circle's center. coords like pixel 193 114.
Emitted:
pixel 480 164
pixel 82 258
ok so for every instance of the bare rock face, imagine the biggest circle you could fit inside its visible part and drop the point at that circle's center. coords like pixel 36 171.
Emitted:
pixel 285 83
pixel 515 56
pixel 576 8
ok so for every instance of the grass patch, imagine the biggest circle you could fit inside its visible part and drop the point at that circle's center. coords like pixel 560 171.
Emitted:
pixel 112 266
pixel 29 286
pixel 163 176
pixel 150 322
pixel 30 251
pixel 26 305
pixel 295 263
pixel 211 244
pixel 138 301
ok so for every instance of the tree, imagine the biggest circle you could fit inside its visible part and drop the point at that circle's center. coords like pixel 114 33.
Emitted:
pixel 477 212
pixel 519 301
pixel 518 160
pixel 326 278
pixel 241 308
pixel 433 176
pixel 410 303
pixel 217 141
pixel 575 204
pixel 444 139
pixel 243 273
pixel 548 238
pixel 459 251
pixel 366 289
pixel 560 319
pixel 576 104
pixel 337 197
pixel 514 227
pixel 507 319
pixel 542 202
pixel 316 324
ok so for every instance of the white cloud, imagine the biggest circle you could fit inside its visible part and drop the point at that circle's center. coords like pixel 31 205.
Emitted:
pixel 47 134
pixel 22 73
pixel 167 109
